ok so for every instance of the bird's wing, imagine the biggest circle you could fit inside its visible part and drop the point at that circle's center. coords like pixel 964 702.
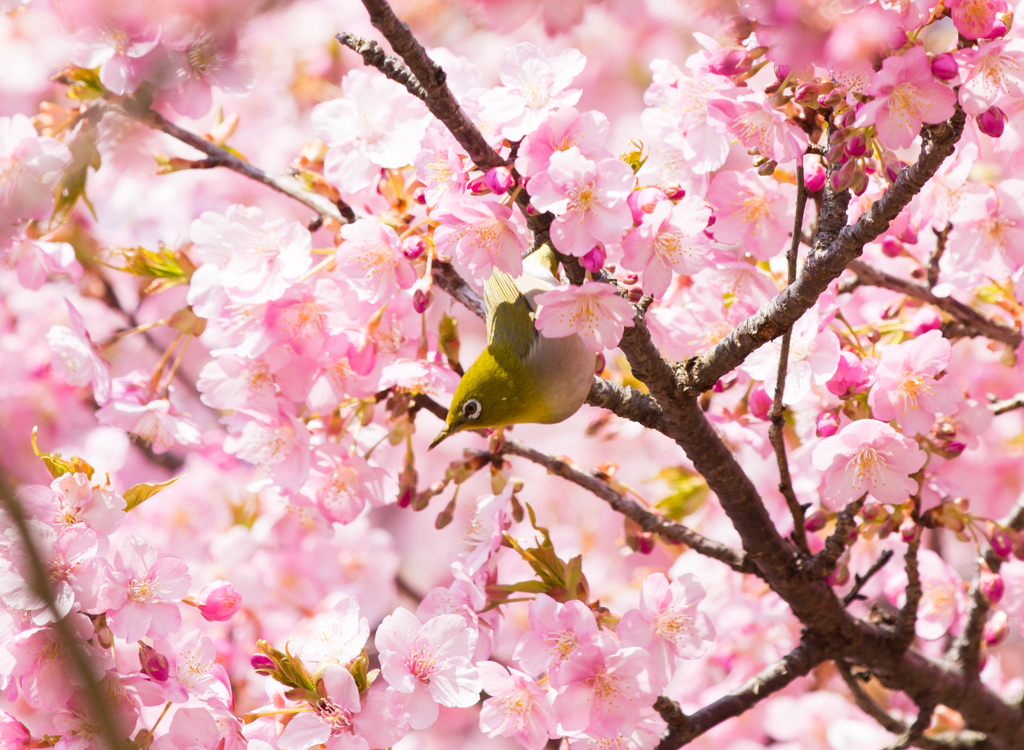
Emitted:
pixel 509 315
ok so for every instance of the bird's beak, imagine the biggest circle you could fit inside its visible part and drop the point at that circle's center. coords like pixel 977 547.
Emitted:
pixel 440 436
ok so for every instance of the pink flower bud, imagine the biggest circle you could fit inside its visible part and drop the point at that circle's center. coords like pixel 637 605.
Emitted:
pixel 674 192
pixel 154 663
pixel 997 628
pixel 945 67
pixel 730 61
pixel 816 521
pixel 630 278
pixel 781 71
pixel 594 260
pixel 839 576
pixel 827 424
pixel 643 201
pixel 871 511
pixel 908 529
pixel 405 497
pixel 991 122
pixel 263 664
pixel 219 601
pixel 891 247
pixel 1002 543
pixel 413 247
pixel 499 179
pixel 814 180
pixel 476 186
pixel 420 196
pixel 953 449
pixel 599 364
pixel 991 585
pixel 759 403
pixel 738 28
pixel 831 99
pixel 998 30
pixel 849 375
pixel 924 320
pixel 421 300
pixel 856 146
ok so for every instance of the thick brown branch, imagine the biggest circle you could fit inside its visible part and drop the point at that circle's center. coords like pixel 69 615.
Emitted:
pixel 797 663
pixel 217 156
pixel 649 522
pixel 438 97
pixel 825 561
pixel 969 317
pixel 833 250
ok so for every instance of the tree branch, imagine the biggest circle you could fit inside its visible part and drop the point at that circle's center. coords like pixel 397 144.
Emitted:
pixel 940 249
pixel 1010 404
pixel 220 157
pixel 374 56
pixel 438 97
pixel 969 317
pixel 825 561
pixel 859 580
pixel 907 622
pixel 797 663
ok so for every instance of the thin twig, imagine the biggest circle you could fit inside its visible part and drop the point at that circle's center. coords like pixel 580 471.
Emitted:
pixel 825 561
pixel 80 666
pixel 220 157
pixel 1010 404
pixel 375 57
pixel 907 621
pixel 916 730
pixel 775 432
pixel 859 580
pixel 940 248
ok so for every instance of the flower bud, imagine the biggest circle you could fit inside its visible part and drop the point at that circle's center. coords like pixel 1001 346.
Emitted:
pixel 839 576
pixel 924 320
pixel 781 71
pixel 847 117
pixel 635 294
pixel 860 182
pixel 730 61
pixel 599 363
pixel 594 260
pixel 219 601
pixel 806 93
pixel 421 300
pixel 997 628
pixel 630 278
pixel 827 424
pixel 154 663
pixel 499 179
pixel 759 403
pixel 476 186
pixel 872 511
pixel 420 196
pixel 738 28
pixel 945 67
pixel 831 99
pixel 991 585
pixel 816 521
pixel 908 529
pixel 263 664
pixel 768 168
pixel 962 504
pixel 842 178
pixel 991 122
pixel 413 247
pixel 814 180
pixel 643 201
pixel 856 146
pixel 891 247
pixel 1002 543
pixel 952 449
pixel 998 30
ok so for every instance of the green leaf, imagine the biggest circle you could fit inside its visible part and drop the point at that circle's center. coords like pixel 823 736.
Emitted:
pixel 58 466
pixel 71 187
pixel 138 494
pixel 83 83
pixel 690 492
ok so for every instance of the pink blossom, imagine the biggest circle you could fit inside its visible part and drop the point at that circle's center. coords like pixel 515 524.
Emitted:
pixel 942 595
pixel 229 381
pixel 276 442
pixel 670 238
pixel 191 729
pixel 987 221
pixel 518 708
pixel 441 167
pixel 533 85
pixel 486 528
pixel 120 51
pixel 482 235
pixel 906 95
pixel 975 19
pixel 219 601
pixel 604 689
pixel 376 124
pixel 76 357
pixel 303 317
pixel 202 60
pixel 428 663
pixel 466 598
pixel 556 632
pixel 852 373
pixel 752 210
pixel 941 195
pixel 71 499
pixel 341 483
pixel 995 71
pixel 154 422
pixel 668 624
pixel 588 199
pixel 142 590
pixel 813 358
pixel 561 130
pixel 30 166
pixel 371 258
pixel 906 388
pixel 759 126
pixel 251 258
pixel 335 637
pixel 13 734
pixel 867 456
pixel 593 311
pixel 35 259
pixel 40 661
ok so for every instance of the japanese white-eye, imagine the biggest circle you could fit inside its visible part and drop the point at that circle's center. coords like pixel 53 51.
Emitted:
pixel 521 376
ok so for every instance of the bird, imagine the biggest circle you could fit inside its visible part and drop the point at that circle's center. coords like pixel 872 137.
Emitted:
pixel 521 376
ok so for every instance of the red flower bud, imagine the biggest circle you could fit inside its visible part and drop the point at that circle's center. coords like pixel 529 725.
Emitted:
pixel 908 529
pixel 263 664
pixel 499 179
pixel 413 247
pixel 816 521
pixel 1002 543
pixel 991 585
pixel 219 601
pixel 730 61
pixel 997 628
pixel 991 122
pixel 827 424
pixel 945 67
pixel 594 260
pixel 815 179
pixel 154 663
pixel 759 403
pixel 891 247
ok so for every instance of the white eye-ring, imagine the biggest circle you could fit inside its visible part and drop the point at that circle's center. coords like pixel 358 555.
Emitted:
pixel 471 409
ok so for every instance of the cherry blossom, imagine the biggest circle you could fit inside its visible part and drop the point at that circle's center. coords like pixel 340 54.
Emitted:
pixel 556 632
pixel 561 130
pixel 975 19
pixel 518 708
pixel 39 661
pixel 75 356
pixel 71 499
pixel 751 210
pixel 867 456
pixel 588 198
pixel 30 166
pixel 942 595
pixel 481 234
pixel 593 311
pixel 34 260
pixel 337 636
pixel 907 95
pixel 341 484
pixel 533 85
pixel 121 52
pixel 670 238
pixel 906 388
pixel 202 61
pixel 813 359
pixel 428 663
pixel 371 257
pixel 153 421
pixel 995 71
pixel 191 729
pixel 761 127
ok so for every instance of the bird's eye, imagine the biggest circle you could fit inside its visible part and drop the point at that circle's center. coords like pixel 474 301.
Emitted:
pixel 471 409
